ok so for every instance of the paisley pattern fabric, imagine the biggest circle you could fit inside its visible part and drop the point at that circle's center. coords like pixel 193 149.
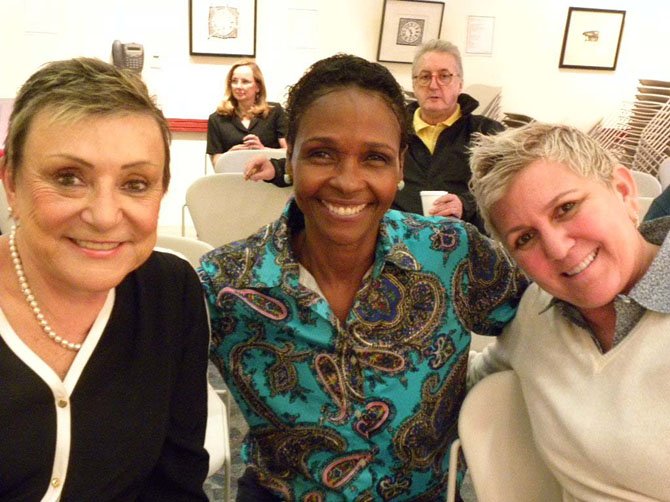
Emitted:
pixel 366 409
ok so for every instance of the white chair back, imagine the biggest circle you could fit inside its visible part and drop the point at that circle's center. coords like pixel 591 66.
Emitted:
pixel 188 248
pixel 497 441
pixel 234 161
pixel 225 207
pixel 664 173
pixel 217 438
pixel 5 220
pixel 479 342
pixel 488 97
pixel 647 184
pixel 644 204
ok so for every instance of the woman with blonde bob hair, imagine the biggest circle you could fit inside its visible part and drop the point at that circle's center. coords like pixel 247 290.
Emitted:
pixel 590 340
pixel 245 120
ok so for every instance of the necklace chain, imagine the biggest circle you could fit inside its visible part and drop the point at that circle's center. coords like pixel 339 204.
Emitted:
pixel 30 298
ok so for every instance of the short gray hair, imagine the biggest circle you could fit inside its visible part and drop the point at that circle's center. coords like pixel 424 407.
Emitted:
pixel 73 89
pixel 497 159
pixel 437 45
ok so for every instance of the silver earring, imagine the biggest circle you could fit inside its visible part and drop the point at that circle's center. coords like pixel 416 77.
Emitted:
pixel 401 184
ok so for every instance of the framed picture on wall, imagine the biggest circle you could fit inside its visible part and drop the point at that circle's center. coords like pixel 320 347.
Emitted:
pixel 406 24
pixel 222 27
pixel 592 38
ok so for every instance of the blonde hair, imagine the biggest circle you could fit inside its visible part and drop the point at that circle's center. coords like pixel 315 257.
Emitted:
pixel 229 106
pixel 496 159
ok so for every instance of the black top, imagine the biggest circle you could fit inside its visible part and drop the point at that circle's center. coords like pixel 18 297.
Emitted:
pixel 448 167
pixel 131 413
pixel 225 132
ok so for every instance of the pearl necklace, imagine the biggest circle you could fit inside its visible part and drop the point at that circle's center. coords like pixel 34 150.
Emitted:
pixel 28 294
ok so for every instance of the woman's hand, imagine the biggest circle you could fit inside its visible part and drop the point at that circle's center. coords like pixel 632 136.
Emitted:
pixel 259 168
pixel 249 142
pixel 252 142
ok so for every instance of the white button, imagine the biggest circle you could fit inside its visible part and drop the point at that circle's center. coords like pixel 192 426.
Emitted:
pixel 55 482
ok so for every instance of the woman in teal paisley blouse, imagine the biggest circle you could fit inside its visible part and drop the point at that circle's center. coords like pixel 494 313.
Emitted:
pixel 343 328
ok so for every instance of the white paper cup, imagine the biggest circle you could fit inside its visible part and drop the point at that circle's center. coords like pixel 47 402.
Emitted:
pixel 428 198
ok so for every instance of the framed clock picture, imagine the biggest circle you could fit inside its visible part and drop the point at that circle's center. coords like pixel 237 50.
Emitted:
pixel 225 28
pixel 406 24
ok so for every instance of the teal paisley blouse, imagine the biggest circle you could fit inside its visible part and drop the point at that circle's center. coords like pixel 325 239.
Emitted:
pixel 364 410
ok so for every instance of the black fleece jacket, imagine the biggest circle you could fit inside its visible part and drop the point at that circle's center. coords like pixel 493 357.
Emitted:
pixel 448 168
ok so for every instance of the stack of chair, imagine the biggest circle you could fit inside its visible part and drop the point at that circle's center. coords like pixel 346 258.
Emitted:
pixel 489 98
pixel 639 128
pixel 653 147
pixel 651 98
pixel 611 131
pixel 516 119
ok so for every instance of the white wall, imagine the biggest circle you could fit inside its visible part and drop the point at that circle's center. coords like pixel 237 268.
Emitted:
pixel 291 34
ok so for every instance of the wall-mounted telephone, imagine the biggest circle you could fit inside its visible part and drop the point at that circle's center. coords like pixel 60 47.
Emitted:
pixel 129 56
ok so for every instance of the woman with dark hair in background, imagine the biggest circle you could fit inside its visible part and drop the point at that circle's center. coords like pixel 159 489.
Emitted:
pixel 343 328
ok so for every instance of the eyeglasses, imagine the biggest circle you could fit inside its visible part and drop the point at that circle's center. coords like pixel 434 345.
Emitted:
pixel 425 78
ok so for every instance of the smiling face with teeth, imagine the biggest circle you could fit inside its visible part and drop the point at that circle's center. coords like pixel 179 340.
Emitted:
pixel 346 164
pixel 573 235
pixel 87 196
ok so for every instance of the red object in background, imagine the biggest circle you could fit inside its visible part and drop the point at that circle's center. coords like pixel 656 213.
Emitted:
pixel 187 125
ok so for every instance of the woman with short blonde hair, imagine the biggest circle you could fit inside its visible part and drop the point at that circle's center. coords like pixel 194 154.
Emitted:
pixel 590 340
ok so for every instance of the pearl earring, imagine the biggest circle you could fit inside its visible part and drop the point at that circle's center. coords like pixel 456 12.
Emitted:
pixel 10 211
pixel 401 185
pixel 288 179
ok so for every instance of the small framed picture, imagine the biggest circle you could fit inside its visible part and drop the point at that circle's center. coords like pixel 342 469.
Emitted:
pixel 592 38
pixel 407 24
pixel 479 39
pixel 222 28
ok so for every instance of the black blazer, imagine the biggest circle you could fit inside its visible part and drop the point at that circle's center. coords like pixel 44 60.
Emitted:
pixel 225 132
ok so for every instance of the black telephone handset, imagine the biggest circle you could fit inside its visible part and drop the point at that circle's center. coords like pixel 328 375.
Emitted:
pixel 130 56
